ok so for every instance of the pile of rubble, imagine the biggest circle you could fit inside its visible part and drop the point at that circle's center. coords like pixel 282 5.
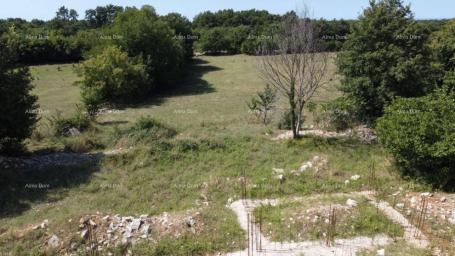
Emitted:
pixel 99 232
pixel 365 134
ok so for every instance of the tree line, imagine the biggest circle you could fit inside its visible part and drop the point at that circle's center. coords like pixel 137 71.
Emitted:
pixel 68 37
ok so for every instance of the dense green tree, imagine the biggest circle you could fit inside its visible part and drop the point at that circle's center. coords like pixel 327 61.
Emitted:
pixel 231 18
pixel 215 40
pixel 420 133
pixel 65 21
pixel 142 33
pixel 18 115
pixel 112 77
pixel 182 31
pixel 62 14
pixel 385 56
pixel 102 15
pixel 334 33
pixel 233 32
pixel 443 44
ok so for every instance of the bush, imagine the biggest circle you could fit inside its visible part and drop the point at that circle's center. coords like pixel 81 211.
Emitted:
pixel 147 129
pixel 262 104
pixel 338 115
pixel 420 133
pixel 112 77
pixel 147 36
pixel 61 126
pixel 18 115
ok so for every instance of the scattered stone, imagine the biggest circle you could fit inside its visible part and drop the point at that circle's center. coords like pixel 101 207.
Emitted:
pixel 44 224
pixel 190 222
pixel 380 252
pixel 73 131
pixel 346 182
pixel 54 241
pixel 451 219
pixel 135 224
pixel 351 202
pixel 84 233
pixel 281 178
pixel 400 205
pixel 304 167
pixel 443 199
pixel 278 170
pixel 413 200
pixel 145 230
pixel 355 177
pixel 365 134
pixel 426 194
pixel 92 223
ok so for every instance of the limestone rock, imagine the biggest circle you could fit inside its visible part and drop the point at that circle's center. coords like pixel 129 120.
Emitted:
pixel 54 241
pixel 351 202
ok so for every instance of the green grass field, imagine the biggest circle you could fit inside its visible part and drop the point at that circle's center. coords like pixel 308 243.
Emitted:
pixel 217 142
pixel 214 94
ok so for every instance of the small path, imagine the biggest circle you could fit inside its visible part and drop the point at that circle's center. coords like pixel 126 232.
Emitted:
pixel 45 161
pixel 58 159
pixel 244 208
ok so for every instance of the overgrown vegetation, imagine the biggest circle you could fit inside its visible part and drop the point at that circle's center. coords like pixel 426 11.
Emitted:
pixel 337 115
pixel 386 55
pixel 112 77
pixel 420 134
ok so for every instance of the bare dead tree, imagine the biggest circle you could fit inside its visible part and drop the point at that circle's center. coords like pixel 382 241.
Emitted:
pixel 294 63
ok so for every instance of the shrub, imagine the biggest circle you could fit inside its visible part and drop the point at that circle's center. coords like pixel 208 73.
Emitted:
pixel 338 115
pixel 263 104
pixel 420 133
pixel 18 115
pixel 61 126
pixel 147 129
pixel 112 77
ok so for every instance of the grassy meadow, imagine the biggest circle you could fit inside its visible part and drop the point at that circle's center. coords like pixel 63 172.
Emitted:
pixel 217 141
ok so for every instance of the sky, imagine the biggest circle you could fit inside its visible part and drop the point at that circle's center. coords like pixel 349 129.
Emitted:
pixel 329 9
